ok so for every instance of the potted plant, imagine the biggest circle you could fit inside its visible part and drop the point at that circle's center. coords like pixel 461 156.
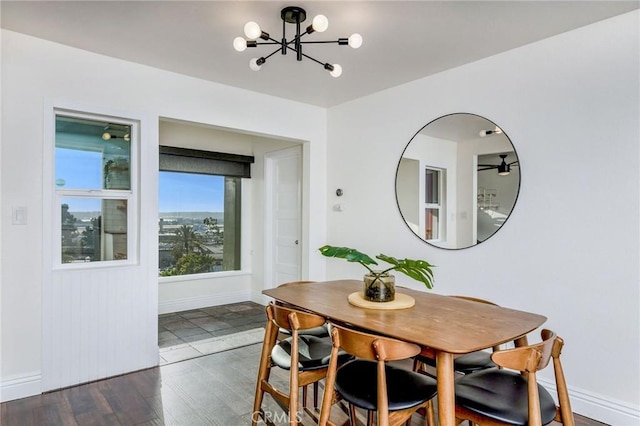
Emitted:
pixel 379 286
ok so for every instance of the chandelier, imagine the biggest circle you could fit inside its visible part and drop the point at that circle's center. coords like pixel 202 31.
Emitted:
pixel 292 15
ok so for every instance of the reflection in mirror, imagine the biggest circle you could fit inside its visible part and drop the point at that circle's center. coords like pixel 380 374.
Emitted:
pixel 457 181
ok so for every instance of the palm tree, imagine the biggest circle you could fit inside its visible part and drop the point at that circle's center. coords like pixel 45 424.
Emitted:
pixel 186 241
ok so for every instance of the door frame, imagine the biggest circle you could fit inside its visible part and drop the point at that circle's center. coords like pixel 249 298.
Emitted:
pixel 269 234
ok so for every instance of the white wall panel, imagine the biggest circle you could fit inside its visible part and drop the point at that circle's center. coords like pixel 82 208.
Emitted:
pixel 96 326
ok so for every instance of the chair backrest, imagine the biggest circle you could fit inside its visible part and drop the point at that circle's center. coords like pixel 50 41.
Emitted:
pixel 289 318
pixel 371 346
pixel 533 358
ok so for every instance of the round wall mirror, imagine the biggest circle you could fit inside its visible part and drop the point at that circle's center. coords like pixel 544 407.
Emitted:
pixel 457 181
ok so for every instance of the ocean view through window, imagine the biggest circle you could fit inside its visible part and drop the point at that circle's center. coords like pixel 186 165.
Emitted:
pixel 191 223
pixel 199 199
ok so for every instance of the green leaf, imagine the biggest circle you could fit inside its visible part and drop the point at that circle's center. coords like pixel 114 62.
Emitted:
pixel 351 255
pixel 419 270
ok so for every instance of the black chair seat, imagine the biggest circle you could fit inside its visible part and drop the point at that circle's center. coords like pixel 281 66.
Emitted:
pixel 467 363
pixel 501 395
pixel 315 353
pixel 322 331
pixel 356 381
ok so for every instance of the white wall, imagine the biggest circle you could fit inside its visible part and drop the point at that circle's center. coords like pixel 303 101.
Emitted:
pixel 570 250
pixel 35 72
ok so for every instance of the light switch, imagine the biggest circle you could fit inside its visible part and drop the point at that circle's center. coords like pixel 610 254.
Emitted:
pixel 19 215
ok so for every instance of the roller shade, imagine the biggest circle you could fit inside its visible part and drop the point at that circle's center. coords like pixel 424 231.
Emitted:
pixel 174 159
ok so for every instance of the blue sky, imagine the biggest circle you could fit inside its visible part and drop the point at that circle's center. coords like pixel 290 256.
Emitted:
pixel 187 192
pixel 178 192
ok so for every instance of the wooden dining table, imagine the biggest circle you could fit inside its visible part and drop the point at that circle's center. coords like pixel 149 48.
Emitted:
pixel 443 326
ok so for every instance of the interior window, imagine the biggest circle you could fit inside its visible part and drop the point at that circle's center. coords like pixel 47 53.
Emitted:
pixel 93 189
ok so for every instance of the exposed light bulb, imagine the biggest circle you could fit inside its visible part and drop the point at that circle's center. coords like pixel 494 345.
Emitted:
pixel 355 40
pixel 255 64
pixel 484 133
pixel 252 30
pixel 498 130
pixel 320 23
pixel 106 136
pixel 337 71
pixel 239 44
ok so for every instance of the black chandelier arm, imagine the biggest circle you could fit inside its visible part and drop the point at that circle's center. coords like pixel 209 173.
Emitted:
pixel 339 41
pixel 271 54
pixel 260 43
pixel 313 59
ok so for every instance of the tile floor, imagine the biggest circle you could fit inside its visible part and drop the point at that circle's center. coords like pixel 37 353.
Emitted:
pixel 199 332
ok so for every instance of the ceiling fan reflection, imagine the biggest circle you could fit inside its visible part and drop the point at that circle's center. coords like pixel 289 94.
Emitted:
pixel 504 168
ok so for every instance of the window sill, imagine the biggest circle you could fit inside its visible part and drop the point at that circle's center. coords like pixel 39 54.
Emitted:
pixel 208 276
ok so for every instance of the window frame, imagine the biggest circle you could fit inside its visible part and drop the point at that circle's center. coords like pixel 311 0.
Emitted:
pixel 131 195
pixel 439 206
pixel 229 166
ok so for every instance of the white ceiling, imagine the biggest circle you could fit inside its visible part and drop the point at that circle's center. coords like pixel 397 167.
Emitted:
pixel 403 40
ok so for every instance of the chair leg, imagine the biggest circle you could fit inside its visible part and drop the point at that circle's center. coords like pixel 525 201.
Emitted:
pixel 416 364
pixel 304 397
pixel 264 369
pixel 370 415
pixel 315 395
pixel 431 414
pixel 352 415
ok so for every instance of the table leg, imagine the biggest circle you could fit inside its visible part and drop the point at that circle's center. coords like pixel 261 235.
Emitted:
pixel 446 389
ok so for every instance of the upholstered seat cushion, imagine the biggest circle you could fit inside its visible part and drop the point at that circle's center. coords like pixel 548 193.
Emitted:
pixel 356 381
pixel 501 395
pixel 467 363
pixel 314 352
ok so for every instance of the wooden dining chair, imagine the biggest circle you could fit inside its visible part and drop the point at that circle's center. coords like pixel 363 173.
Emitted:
pixel 320 331
pixel 371 383
pixel 511 395
pixel 463 364
pixel 305 357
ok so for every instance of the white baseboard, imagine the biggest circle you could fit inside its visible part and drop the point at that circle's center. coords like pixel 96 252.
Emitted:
pixel 598 407
pixel 21 387
pixel 198 302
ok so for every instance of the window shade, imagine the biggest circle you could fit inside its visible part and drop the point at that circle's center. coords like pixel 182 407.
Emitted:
pixel 174 159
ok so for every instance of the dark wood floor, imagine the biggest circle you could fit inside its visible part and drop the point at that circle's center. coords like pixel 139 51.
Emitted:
pixel 216 389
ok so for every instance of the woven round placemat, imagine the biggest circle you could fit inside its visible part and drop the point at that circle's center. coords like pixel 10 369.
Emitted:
pixel 401 301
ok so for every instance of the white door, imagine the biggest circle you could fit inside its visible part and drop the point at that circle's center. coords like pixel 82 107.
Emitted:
pixel 283 213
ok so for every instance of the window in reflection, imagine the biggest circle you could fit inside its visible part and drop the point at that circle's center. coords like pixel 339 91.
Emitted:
pixel 433 184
